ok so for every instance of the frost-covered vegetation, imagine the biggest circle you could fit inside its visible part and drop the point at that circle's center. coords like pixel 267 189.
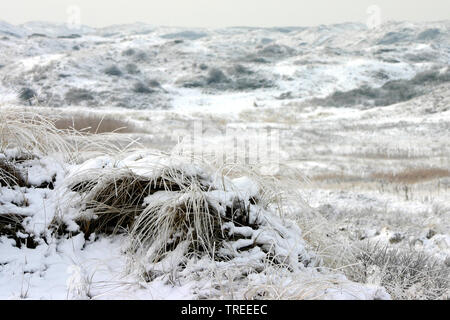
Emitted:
pixel 181 224
pixel 104 195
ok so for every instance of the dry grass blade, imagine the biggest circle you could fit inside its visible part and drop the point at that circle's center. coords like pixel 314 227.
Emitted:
pixel 31 133
pixel 406 274
pixel 9 175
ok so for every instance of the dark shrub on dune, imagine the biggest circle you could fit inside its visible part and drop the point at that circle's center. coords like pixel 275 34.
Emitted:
pixel 252 83
pixel 113 71
pixel 70 36
pixel 154 83
pixel 394 37
pixel 131 68
pixel 188 35
pixel 239 69
pixel 128 52
pixel 76 96
pixel 216 76
pixel 27 95
pixel 429 34
pixel 391 92
pixel 140 87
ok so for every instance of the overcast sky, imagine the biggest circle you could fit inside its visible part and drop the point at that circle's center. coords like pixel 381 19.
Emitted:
pixel 220 13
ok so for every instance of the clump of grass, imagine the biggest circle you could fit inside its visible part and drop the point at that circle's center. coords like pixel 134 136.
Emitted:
pixel 154 83
pixel 11 223
pixel 11 227
pixel 276 50
pixel 116 199
pixel 216 76
pixel 90 124
pixel 413 175
pixel 31 133
pixel 279 285
pixel 77 96
pixel 140 56
pixel 391 92
pixel 9 175
pixel 189 35
pixel 405 273
pixel 176 210
pixel 140 87
pixel 132 68
pixel 113 71
pixel 128 52
pixel 240 69
pixel 27 95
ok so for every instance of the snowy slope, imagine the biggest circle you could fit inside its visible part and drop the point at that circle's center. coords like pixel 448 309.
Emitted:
pixel 143 66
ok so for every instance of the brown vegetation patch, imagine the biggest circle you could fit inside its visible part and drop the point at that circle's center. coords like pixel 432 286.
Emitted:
pixel 336 177
pixel 413 175
pixel 96 125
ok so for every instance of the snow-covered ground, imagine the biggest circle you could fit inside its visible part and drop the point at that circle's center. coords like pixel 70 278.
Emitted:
pixel 362 114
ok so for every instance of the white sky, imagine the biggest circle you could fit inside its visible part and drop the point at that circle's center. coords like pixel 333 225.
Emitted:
pixel 220 13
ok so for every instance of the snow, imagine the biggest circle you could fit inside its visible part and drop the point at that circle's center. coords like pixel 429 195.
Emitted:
pixel 74 269
pixel 337 150
pixel 98 268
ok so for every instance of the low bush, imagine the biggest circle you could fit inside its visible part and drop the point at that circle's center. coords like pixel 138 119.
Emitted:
pixel 77 96
pixel 113 71
pixel 405 273
pixel 27 95
pixel 140 87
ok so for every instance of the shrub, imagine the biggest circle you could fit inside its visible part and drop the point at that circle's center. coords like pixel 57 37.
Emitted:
pixel 431 76
pixel 394 37
pixel 189 35
pixel 113 71
pixel 429 34
pixel 27 95
pixel 140 87
pixel 70 36
pixel 406 274
pixel 252 84
pixel 140 56
pixel 276 50
pixel 131 68
pixel 216 76
pixel 9 175
pixel 37 35
pixel 154 83
pixel 196 82
pixel 76 96
pixel 391 92
pixel 128 52
pixel 255 59
pixel 239 69
pixel 178 209
pixel 11 226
